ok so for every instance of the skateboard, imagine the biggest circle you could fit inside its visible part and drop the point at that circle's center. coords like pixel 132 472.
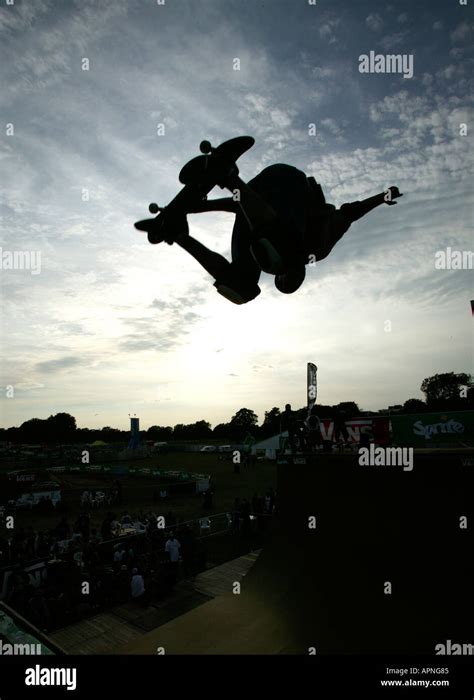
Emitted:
pixel 199 176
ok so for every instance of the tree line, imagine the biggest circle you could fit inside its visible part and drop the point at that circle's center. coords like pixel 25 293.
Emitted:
pixel 443 392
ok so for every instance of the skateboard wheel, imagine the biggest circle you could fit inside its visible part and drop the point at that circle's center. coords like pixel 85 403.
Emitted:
pixel 205 147
pixel 153 208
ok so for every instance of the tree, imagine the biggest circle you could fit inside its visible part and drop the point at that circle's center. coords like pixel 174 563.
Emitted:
pixel 33 431
pixel 153 432
pixel 271 423
pixel 222 431
pixel 445 387
pixel 350 408
pixel 414 406
pixel 243 422
pixel 60 428
pixel 159 433
pixel 201 429
pixel 192 431
pixel 470 397
pixel 108 434
pixel 63 422
pixel 179 431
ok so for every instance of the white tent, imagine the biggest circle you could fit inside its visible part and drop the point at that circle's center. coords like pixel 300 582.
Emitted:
pixel 269 447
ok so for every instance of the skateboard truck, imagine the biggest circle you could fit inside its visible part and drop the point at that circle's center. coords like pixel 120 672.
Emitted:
pixel 208 149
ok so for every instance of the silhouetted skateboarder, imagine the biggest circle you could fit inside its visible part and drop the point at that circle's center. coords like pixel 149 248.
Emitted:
pixel 282 223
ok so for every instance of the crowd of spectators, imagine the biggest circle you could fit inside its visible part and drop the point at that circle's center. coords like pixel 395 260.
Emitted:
pixel 87 564
pixel 60 576
pixel 250 516
pixel 88 570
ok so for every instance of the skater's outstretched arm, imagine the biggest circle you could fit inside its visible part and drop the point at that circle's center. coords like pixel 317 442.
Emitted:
pixel 323 232
pixel 356 210
pixel 222 204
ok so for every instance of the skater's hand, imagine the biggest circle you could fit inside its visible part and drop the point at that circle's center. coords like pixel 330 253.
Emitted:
pixel 390 194
pixel 175 226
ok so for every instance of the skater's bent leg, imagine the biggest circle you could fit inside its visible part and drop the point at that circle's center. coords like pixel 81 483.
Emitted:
pixel 216 265
pixel 258 213
pixel 242 258
pixel 234 282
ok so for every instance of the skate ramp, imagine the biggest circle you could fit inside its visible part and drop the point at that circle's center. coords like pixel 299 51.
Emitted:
pixel 377 528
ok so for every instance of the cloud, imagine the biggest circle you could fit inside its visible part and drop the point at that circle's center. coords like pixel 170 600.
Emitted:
pixel 156 343
pixel 62 363
pixel 325 72
pixel 391 41
pixel 374 22
pixel 328 30
pixel 461 33
pixel 168 327
pixel 332 126
pixel 20 17
pixel 28 386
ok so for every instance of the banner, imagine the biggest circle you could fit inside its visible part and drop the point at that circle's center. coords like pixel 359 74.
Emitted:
pixel 312 385
pixel 133 471
pixel 19 637
pixel 377 427
pixel 434 429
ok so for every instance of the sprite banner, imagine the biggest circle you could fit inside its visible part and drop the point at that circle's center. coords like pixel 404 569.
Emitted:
pixel 455 428
pixel 15 639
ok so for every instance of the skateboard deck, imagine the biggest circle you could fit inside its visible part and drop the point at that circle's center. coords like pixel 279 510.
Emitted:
pixel 199 176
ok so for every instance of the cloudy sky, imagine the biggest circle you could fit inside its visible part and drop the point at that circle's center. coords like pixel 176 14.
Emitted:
pixel 112 325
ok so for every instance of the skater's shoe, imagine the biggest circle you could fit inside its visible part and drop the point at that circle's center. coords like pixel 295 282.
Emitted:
pixel 290 281
pixel 235 289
